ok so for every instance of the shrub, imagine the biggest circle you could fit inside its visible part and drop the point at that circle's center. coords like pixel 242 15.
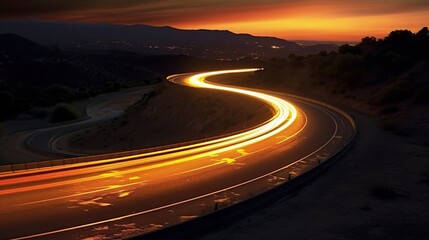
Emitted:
pixel 64 112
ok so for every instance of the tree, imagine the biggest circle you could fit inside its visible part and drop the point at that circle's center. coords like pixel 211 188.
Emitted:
pixel 64 112
pixel 349 68
pixel 368 45
pixel 423 33
pixel 344 49
pixel 422 38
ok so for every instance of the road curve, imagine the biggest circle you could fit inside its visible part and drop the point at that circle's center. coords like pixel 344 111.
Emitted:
pixel 44 141
pixel 126 196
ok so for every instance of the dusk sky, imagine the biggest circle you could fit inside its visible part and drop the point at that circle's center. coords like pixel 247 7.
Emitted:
pixel 340 20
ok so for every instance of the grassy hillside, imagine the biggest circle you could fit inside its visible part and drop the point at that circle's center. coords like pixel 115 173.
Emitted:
pixel 386 78
pixel 173 114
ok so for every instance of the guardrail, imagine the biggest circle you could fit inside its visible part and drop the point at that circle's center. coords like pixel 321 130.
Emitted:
pixel 219 218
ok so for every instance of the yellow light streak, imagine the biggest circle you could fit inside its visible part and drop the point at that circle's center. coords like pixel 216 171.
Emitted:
pixel 284 115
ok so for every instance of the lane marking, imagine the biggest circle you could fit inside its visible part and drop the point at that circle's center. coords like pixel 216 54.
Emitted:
pixel 190 199
pixel 85 193
pixel 184 201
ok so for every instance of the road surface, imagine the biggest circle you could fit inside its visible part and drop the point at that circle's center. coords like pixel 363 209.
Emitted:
pixel 127 196
pixel 44 141
pixel 36 139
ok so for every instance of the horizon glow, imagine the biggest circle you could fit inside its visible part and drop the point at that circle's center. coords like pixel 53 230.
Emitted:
pixel 329 20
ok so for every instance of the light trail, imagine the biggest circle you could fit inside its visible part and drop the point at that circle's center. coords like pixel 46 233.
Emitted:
pixel 95 178
pixel 284 115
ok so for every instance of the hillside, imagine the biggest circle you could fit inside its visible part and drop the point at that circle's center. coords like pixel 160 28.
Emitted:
pixel 170 115
pixel 17 45
pixel 380 188
pixel 386 78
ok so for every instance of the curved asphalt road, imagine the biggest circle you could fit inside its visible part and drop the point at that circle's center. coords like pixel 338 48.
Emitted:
pixel 118 198
pixel 43 141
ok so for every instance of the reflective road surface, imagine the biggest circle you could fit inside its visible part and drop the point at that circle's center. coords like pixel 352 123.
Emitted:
pixel 126 196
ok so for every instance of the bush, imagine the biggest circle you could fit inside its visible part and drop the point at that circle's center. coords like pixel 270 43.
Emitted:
pixel 64 112
pixel 349 68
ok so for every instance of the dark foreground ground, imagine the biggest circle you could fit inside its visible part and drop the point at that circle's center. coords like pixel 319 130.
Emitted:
pixel 379 190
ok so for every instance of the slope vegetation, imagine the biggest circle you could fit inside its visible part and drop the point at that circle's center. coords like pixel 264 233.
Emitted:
pixel 172 114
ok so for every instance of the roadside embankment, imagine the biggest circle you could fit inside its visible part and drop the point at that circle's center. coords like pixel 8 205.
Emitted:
pixel 170 115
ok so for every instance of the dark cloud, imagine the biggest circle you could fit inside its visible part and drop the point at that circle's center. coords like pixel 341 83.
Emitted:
pixel 171 11
pixel 25 8
pixel 30 8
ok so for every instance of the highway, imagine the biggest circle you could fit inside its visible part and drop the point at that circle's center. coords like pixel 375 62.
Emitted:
pixel 126 196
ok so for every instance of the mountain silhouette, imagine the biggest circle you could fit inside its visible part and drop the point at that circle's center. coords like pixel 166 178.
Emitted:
pixel 46 32
pixel 17 45
pixel 132 37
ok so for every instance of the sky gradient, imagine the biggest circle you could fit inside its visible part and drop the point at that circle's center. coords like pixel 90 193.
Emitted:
pixel 340 20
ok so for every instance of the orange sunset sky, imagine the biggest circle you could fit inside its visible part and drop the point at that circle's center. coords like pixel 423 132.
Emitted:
pixel 339 20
